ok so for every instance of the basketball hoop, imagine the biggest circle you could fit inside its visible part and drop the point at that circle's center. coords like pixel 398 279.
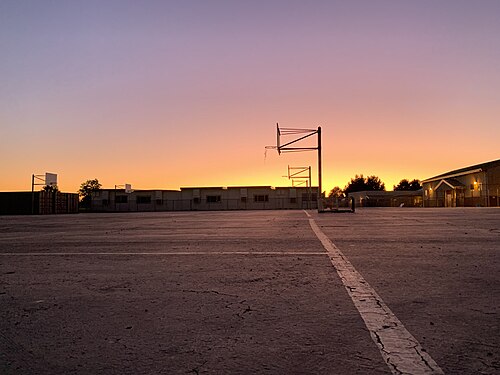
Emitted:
pixel 288 146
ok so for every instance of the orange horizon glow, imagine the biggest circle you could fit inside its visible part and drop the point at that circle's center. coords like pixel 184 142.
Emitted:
pixel 272 172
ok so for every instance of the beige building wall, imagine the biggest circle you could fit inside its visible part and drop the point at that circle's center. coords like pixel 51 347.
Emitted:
pixel 204 199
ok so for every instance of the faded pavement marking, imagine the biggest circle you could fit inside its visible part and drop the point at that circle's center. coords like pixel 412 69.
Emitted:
pixel 400 350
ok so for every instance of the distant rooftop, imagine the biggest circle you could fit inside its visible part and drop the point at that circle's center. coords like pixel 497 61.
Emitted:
pixel 220 188
pixel 245 187
pixel 455 172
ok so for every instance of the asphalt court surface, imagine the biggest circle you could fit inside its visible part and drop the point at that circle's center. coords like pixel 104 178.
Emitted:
pixel 244 292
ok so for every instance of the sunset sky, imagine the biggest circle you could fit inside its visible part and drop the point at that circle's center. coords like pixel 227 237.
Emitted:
pixel 164 94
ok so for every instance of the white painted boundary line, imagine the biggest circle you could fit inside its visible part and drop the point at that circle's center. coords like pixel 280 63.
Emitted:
pixel 302 253
pixel 400 350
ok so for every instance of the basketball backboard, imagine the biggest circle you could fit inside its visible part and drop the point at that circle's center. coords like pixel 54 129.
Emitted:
pixel 50 179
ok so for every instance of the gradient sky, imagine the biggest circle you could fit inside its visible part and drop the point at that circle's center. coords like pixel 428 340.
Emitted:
pixel 164 94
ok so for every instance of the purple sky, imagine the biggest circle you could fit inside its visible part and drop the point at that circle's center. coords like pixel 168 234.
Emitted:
pixel 163 94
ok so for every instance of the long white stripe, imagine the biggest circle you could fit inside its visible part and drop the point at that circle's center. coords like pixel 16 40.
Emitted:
pixel 400 350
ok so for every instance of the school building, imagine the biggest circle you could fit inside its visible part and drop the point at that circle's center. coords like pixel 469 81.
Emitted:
pixel 474 186
pixel 205 198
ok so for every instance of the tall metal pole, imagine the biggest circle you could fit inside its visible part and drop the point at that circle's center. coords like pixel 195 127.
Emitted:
pixel 309 193
pixel 32 194
pixel 487 189
pixel 320 190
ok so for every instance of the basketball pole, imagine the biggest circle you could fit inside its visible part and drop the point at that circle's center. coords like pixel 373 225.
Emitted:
pixel 320 190
pixel 32 194
pixel 309 190
pixel 34 179
pixel 287 148
pixel 304 173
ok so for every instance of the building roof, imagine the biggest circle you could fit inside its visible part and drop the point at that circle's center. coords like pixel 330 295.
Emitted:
pixel 297 187
pixel 135 190
pixel 458 172
pixel 251 187
pixel 384 193
pixel 451 182
pixel 204 188
pixel 247 187
pixel 209 188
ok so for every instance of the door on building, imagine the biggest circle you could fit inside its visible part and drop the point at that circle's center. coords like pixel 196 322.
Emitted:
pixel 460 194
pixel 449 198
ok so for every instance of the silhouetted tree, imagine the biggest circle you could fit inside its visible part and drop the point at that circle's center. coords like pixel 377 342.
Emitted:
pixel 336 192
pixel 404 184
pixel 86 190
pixel 360 183
pixel 356 184
pixel 415 185
pixel 374 183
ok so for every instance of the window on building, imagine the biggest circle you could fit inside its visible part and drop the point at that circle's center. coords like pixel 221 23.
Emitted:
pixel 145 199
pixel 196 200
pixel 105 202
pixel 293 200
pixel 121 199
pixel 243 199
pixel 159 202
pixel 213 198
pixel 261 198
pixel 313 196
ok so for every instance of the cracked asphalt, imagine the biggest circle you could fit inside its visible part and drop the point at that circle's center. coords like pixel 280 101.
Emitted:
pixel 244 292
